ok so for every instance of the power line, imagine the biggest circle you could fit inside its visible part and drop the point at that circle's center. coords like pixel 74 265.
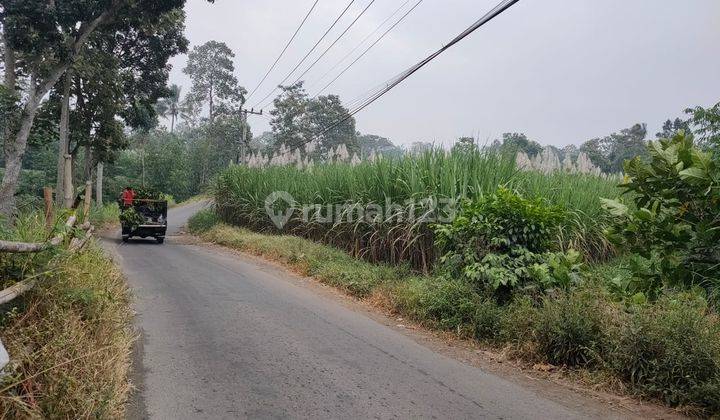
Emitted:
pixel 328 48
pixel 497 10
pixel 284 49
pixel 308 54
pixel 335 42
pixel 368 36
pixel 369 48
pixel 363 97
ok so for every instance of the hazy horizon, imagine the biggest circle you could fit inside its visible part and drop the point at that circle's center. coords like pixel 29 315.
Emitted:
pixel 561 72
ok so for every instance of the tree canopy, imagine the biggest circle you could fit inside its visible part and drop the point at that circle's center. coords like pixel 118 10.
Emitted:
pixel 297 119
pixel 211 69
pixel 42 40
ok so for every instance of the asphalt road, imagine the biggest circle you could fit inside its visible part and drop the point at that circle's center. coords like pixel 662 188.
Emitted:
pixel 225 336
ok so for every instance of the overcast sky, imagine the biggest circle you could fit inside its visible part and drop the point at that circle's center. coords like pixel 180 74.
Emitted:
pixel 561 71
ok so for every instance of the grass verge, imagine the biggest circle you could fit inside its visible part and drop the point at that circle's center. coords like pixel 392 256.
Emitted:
pixel 107 214
pixel 193 199
pixel 69 338
pixel 667 350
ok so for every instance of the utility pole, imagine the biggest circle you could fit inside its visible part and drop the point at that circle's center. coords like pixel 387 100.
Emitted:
pixel 243 136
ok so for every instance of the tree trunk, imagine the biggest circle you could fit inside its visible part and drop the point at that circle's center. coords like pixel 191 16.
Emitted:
pixel 64 143
pixel 211 105
pixel 99 186
pixel 14 151
pixel 10 76
pixel 10 81
pixel 68 196
pixel 142 162
pixel 89 163
pixel 172 123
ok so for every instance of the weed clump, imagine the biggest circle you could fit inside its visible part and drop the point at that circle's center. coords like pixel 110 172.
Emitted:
pixel 572 328
pixel 445 304
pixel 70 339
pixel 671 350
pixel 203 221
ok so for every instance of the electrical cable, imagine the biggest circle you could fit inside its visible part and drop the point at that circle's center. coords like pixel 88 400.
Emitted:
pixel 368 36
pixel 283 51
pixel 334 42
pixel 493 13
pixel 369 48
pixel 497 10
pixel 306 55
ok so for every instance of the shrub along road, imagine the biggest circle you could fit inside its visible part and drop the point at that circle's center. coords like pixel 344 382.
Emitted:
pixel 225 336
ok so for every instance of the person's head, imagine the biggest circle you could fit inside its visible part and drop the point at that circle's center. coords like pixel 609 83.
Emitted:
pixel 127 188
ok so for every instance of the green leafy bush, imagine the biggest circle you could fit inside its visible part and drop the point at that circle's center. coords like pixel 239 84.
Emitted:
pixel 675 230
pixel 503 242
pixel 671 350
pixel 501 220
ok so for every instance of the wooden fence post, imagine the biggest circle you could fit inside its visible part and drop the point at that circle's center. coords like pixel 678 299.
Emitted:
pixel 49 209
pixel 99 185
pixel 88 200
pixel 69 193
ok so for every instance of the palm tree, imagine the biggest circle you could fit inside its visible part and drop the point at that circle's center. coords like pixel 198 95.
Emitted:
pixel 169 106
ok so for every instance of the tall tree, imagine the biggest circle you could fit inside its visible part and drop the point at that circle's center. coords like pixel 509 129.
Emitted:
pixel 121 77
pixel 672 127
pixel 324 113
pixel 42 39
pixel 169 106
pixel 210 67
pixel 465 145
pixel 518 142
pixel 371 143
pixel 289 123
pixel 706 122
pixel 627 144
pixel 596 150
pixel 298 119
pixel 610 153
pixel 64 137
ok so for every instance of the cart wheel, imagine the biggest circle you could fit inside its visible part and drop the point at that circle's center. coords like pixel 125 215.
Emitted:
pixel 125 238
pixel 160 240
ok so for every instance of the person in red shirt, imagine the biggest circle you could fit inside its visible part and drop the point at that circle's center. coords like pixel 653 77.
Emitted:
pixel 128 196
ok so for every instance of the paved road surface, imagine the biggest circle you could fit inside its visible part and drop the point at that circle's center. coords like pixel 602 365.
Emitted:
pixel 229 337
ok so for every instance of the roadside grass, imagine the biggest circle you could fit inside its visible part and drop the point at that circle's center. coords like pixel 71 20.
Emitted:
pixel 193 199
pixel 108 214
pixel 69 338
pixel 329 265
pixel 668 350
